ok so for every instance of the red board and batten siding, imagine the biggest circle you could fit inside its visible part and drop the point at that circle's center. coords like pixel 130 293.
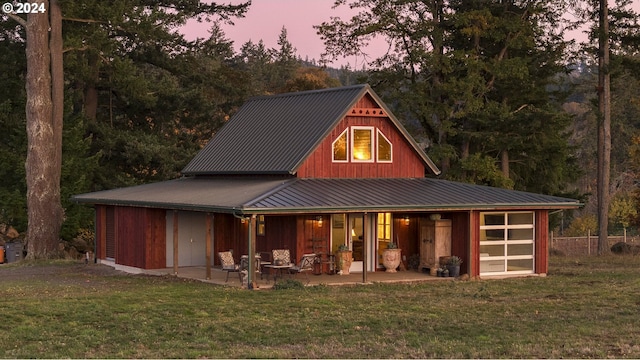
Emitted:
pixel 139 237
pixel 405 161
pixel 542 242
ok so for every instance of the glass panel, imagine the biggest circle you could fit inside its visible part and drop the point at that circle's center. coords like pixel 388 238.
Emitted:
pixel 520 265
pixel 362 144
pixel 338 231
pixel 384 148
pixel 521 234
pixel 521 219
pixel 340 148
pixel 491 266
pixel 492 235
pixel 519 249
pixel 492 219
pixel 491 250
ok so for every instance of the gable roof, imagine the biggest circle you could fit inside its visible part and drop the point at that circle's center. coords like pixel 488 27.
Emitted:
pixel 274 134
pixel 293 195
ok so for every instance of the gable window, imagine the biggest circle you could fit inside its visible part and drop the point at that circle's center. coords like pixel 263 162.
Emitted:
pixel 384 148
pixel 361 144
pixel 340 148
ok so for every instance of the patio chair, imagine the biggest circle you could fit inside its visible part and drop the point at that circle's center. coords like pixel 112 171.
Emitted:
pixel 280 257
pixel 228 264
pixel 306 264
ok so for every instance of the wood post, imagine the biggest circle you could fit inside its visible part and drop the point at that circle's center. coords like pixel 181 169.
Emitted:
pixel 175 242
pixel 208 240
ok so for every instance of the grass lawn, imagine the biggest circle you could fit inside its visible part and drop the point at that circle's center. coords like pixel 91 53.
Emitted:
pixel 585 308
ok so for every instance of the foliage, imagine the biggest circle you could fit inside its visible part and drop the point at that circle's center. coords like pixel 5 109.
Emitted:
pixel 141 99
pixel 622 210
pixel 480 77
pixel 454 261
pixel 392 245
pixel 582 225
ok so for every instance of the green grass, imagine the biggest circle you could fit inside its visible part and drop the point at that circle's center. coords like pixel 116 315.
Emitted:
pixel 585 308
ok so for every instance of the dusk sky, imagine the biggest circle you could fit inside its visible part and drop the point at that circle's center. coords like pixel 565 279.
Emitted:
pixel 265 19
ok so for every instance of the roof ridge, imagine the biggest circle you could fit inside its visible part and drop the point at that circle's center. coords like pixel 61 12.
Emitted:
pixel 309 92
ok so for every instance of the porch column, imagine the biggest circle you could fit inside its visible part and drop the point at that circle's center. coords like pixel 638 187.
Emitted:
pixel 473 266
pixel 365 244
pixel 208 246
pixel 251 268
pixel 175 242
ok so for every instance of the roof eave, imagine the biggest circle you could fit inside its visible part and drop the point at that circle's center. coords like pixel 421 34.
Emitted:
pixel 410 208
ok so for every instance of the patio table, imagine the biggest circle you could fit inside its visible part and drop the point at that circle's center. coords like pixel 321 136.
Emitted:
pixel 279 270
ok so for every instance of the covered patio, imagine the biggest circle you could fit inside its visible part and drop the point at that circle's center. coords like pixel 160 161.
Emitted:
pixel 218 277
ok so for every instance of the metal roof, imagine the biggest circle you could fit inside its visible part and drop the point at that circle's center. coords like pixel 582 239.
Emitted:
pixel 199 194
pixel 290 195
pixel 275 134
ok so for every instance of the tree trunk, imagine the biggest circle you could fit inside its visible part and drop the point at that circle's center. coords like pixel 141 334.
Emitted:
pixel 504 162
pixel 604 129
pixel 44 134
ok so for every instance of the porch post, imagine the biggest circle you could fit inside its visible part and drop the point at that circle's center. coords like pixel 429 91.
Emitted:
pixel 252 251
pixel 208 240
pixel 175 242
pixel 365 241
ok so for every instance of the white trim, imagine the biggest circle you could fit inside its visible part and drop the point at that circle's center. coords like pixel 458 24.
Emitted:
pixel 378 132
pixel 500 263
pixel 346 145
pixel 371 146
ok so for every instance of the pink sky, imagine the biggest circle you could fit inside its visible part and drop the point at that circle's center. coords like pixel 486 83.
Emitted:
pixel 265 20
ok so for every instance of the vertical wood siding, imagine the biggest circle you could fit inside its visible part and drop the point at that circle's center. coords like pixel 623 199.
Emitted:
pixel 474 253
pixel 406 162
pixel 542 242
pixel 460 244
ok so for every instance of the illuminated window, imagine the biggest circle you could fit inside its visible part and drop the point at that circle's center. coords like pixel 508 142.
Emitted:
pixel 360 147
pixel 361 144
pixel 384 227
pixel 340 148
pixel 260 225
pixel 384 148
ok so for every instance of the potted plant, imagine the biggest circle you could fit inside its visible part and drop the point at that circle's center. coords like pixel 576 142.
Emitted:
pixel 391 257
pixel 344 256
pixel 453 265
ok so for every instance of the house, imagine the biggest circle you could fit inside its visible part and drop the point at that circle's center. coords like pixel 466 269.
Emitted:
pixel 312 170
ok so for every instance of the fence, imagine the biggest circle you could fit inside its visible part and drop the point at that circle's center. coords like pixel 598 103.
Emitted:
pixel 586 245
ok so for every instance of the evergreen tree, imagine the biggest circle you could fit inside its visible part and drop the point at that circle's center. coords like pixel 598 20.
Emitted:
pixel 479 77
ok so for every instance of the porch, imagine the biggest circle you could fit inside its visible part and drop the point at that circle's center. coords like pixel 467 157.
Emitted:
pixel 218 277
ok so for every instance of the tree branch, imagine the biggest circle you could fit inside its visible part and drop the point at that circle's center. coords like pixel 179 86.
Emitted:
pixel 17 18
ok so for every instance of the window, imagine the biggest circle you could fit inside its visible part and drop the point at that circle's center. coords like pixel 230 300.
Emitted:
pixel 360 147
pixel 340 148
pixel 384 148
pixel 362 144
pixel 260 225
pixel 384 226
pixel 384 234
pixel 507 243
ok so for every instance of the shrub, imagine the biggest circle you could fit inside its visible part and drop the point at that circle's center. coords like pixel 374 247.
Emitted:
pixel 580 226
pixel 288 284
